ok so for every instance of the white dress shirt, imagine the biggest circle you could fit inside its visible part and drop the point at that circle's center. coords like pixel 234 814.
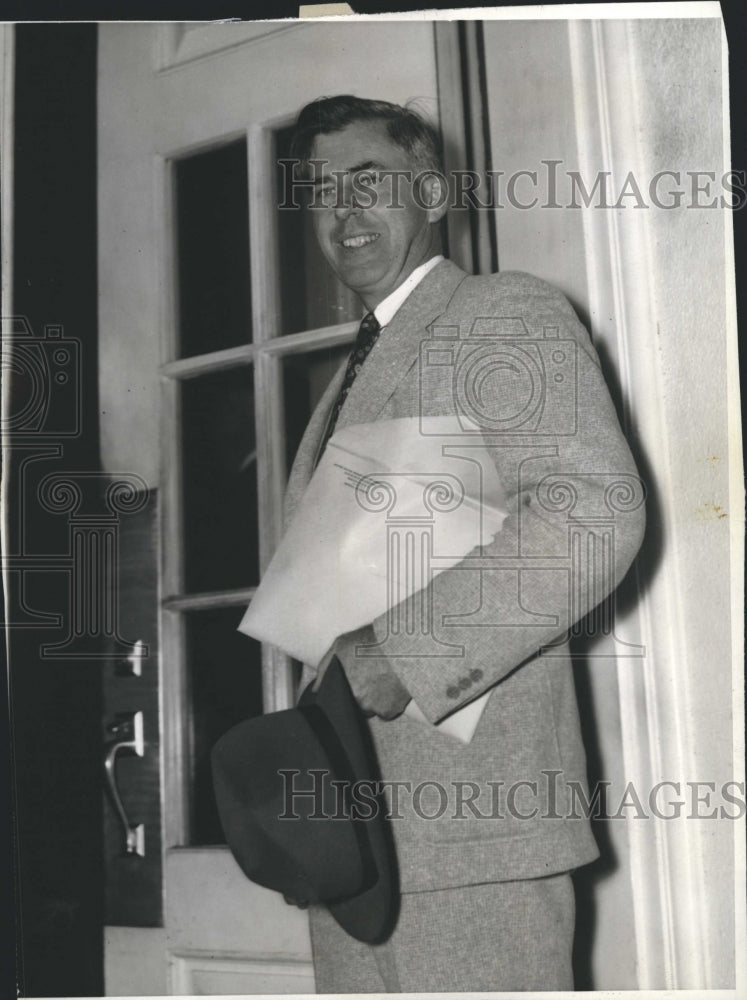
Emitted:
pixel 385 310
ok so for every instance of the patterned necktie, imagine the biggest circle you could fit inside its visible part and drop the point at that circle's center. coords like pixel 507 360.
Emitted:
pixel 368 333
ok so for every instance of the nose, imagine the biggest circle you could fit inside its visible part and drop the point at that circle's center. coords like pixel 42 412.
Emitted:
pixel 347 204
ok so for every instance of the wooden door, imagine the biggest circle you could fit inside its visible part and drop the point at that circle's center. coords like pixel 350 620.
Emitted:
pixel 218 333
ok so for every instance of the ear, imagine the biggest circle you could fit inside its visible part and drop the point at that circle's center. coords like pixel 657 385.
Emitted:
pixel 433 195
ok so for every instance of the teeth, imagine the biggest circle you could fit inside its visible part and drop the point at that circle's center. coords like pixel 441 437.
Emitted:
pixel 360 241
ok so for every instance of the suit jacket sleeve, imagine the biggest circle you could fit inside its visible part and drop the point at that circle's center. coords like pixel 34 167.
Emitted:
pixel 576 514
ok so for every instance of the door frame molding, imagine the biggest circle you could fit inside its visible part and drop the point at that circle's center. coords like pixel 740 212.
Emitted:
pixel 183 964
pixel 656 703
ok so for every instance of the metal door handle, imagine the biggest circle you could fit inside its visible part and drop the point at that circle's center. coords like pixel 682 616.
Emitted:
pixel 132 664
pixel 128 732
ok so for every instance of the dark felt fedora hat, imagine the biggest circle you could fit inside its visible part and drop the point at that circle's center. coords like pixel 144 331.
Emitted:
pixel 296 794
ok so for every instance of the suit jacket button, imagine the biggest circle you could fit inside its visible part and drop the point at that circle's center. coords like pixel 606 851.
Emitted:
pixel 464 683
pixel 476 674
pixel 452 692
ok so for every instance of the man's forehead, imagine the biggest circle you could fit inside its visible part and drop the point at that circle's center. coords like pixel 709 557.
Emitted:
pixel 356 144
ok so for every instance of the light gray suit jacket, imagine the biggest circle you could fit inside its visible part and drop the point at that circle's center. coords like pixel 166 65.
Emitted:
pixel 510 805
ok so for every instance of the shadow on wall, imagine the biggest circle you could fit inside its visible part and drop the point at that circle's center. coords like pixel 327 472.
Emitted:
pixel 633 587
pixel 646 564
pixel 586 879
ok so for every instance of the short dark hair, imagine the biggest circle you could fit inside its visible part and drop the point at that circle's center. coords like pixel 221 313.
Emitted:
pixel 407 128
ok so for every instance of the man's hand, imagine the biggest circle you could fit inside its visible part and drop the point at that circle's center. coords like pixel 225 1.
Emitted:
pixel 376 687
pixel 292 901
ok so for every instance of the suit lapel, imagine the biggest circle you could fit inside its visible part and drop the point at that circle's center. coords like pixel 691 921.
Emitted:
pixel 393 355
pixel 398 346
pixel 303 464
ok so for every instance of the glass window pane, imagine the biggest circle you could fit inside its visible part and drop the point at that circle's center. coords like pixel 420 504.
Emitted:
pixel 224 669
pixel 213 250
pixel 311 295
pixel 305 377
pixel 219 465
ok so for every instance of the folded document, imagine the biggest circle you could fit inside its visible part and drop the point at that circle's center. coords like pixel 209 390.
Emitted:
pixel 350 553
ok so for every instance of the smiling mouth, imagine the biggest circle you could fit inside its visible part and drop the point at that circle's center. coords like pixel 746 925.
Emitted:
pixel 356 242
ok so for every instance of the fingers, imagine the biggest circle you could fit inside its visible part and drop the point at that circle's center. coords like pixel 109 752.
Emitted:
pixel 302 904
pixel 390 713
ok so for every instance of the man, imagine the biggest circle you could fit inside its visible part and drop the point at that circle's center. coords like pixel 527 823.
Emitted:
pixel 486 898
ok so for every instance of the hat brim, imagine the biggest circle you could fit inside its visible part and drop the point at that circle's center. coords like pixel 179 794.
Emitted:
pixel 369 915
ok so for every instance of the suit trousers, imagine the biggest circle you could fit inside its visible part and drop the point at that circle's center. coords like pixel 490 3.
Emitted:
pixel 494 937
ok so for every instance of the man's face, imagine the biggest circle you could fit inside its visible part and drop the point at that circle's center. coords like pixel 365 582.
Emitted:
pixel 373 242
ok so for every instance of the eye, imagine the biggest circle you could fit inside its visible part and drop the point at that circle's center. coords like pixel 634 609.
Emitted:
pixel 326 194
pixel 369 178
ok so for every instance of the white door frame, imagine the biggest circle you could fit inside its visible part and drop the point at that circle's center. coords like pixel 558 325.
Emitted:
pixel 677 944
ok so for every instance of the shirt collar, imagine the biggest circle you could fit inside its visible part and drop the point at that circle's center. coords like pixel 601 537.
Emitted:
pixel 385 310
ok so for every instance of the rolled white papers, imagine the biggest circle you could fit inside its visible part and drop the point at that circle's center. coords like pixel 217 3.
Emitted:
pixel 333 571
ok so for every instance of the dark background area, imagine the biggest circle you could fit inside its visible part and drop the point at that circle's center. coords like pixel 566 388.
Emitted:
pixel 55 703
pixel 57 706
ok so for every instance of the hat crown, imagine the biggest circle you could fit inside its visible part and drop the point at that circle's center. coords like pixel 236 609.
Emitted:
pixel 285 789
